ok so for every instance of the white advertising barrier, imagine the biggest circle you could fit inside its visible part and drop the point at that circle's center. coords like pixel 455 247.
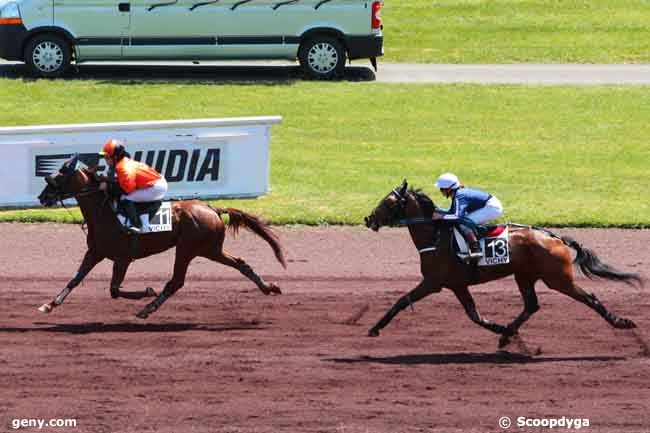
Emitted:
pixel 204 158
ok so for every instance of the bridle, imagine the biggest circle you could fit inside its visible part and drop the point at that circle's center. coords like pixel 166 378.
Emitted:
pixel 398 207
pixel 397 211
pixel 60 196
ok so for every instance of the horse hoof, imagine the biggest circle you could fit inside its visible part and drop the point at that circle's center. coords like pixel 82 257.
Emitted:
pixel 45 308
pixel 150 293
pixel 625 324
pixel 504 341
pixel 373 333
pixel 274 289
pixel 142 315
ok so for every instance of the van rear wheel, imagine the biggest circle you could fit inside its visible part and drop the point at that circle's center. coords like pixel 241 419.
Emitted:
pixel 48 56
pixel 322 58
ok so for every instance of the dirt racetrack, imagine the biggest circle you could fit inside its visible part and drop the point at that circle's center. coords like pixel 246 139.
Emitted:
pixel 221 357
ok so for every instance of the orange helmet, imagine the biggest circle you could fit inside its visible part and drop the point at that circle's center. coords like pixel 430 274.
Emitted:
pixel 110 146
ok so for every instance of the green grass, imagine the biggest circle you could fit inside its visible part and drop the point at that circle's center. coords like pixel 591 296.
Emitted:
pixel 557 156
pixel 517 31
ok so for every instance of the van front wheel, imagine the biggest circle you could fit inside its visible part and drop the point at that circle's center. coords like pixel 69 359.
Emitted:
pixel 47 56
pixel 322 58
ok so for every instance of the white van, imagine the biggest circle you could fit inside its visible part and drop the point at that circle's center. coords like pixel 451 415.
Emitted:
pixel 48 34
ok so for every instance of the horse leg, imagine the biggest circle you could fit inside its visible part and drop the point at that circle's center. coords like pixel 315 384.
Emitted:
pixel 466 300
pixel 243 267
pixel 88 263
pixel 422 290
pixel 177 281
pixel 531 306
pixel 564 283
pixel 119 271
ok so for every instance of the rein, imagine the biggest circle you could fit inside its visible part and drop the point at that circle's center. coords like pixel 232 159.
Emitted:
pixel 416 221
pixel 83 224
pixel 82 193
pixel 88 191
pixel 411 221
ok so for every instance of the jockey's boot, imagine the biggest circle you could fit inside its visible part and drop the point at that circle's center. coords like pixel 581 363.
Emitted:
pixel 475 253
pixel 132 215
pixel 144 219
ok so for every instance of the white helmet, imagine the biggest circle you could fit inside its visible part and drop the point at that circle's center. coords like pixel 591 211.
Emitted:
pixel 448 181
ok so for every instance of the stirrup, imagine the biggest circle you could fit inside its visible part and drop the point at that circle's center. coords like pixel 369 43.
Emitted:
pixel 134 230
pixel 472 257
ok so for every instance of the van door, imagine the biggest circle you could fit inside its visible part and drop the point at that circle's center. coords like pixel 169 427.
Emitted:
pixel 261 28
pixel 99 26
pixel 172 30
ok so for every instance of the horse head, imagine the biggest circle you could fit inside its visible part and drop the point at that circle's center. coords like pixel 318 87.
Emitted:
pixel 399 204
pixel 68 181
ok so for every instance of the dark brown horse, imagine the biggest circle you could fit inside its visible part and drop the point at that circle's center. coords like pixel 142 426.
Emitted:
pixel 197 231
pixel 535 254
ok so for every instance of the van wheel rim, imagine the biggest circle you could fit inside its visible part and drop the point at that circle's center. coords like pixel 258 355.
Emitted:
pixel 322 58
pixel 47 56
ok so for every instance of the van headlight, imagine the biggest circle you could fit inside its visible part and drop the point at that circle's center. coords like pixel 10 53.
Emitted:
pixel 9 11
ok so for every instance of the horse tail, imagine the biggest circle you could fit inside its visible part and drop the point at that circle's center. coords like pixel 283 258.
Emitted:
pixel 592 266
pixel 240 219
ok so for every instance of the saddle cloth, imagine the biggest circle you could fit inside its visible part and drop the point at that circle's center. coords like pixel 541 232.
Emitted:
pixel 494 245
pixel 157 216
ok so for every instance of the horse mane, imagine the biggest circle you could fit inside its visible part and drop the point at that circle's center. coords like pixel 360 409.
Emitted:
pixel 427 205
pixel 92 174
pixel 93 169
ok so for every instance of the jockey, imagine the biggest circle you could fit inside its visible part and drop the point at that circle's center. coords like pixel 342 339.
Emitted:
pixel 140 182
pixel 476 205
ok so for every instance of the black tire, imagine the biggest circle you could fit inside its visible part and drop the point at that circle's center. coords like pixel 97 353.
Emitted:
pixel 322 57
pixel 48 56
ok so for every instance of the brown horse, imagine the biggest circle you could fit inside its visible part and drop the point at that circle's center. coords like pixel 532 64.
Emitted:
pixel 197 231
pixel 535 254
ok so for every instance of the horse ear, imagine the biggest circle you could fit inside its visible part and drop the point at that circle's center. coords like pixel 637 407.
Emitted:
pixel 72 163
pixel 404 187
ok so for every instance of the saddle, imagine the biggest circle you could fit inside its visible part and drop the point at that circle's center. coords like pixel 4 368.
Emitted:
pixel 493 240
pixel 155 215
pixel 141 208
pixel 490 230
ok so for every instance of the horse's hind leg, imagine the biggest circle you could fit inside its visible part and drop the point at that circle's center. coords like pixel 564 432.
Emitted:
pixel 119 271
pixel 526 286
pixel 564 282
pixel 466 300
pixel 243 267
pixel 181 263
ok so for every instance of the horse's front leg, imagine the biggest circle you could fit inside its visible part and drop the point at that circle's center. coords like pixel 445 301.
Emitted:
pixel 88 263
pixel 422 290
pixel 119 271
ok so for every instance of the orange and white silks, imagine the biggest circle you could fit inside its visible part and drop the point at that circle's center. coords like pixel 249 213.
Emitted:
pixel 133 175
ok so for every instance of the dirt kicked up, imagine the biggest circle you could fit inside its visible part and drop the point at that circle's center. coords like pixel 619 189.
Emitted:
pixel 221 357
